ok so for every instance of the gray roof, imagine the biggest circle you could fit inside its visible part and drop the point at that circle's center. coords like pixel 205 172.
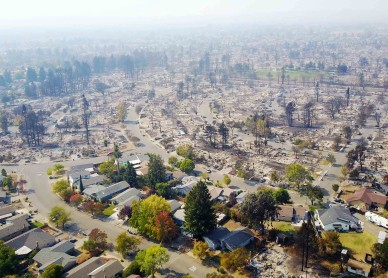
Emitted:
pixel 237 237
pixel 92 189
pixel 336 214
pixel 6 210
pixel 48 256
pixel 32 239
pixel 81 167
pixel 131 192
pixel 75 174
pixel 175 205
pixel 128 202
pixel 179 215
pixel 218 234
pixel 83 270
pixel 108 270
pixel 92 180
pixel 3 194
pixel 14 225
pixel 111 190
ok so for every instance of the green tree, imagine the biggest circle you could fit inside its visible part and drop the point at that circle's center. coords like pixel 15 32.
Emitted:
pixel 8 183
pixel 335 187
pixel 314 193
pixel 53 271
pixel 107 168
pixel 152 258
pixel 144 213
pixel 281 196
pixel 97 242
pixel 81 184
pixel 164 190
pixel 172 160
pixel 126 243
pixel 130 175
pixel 297 174
pixel 331 243
pixel 257 208
pixel 133 268
pixel 59 216
pixel 275 177
pixel 187 166
pixel 227 180
pixel 117 154
pixel 58 169
pixel 156 170
pixel 201 249
pixel 380 252
pixel 8 260
pixel 61 188
pixel 331 158
pixel 121 112
pixel 235 260
pixel 3 172
pixel 49 171
pixel 186 150
pixel 199 214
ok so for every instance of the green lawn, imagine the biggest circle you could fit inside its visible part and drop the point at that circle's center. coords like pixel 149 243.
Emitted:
pixel 294 74
pixel 358 243
pixel 37 224
pixel 284 227
pixel 108 211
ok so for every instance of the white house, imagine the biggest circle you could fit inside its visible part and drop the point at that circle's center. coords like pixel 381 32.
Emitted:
pixel 337 218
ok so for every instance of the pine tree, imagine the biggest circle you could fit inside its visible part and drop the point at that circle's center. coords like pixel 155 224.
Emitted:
pixel 130 175
pixel 156 170
pixel 199 214
pixel 81 185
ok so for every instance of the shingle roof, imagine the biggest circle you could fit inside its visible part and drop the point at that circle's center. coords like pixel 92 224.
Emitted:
pixel 128 202
pixel 359 265
pixel 131 192
pixel 110 190
pixel 32 239
pixel 237 237
pixel 175 205
pixel 336 214
pixel 107 270
pixel 368 196
pixel 48 256
pixel 92 180
pixel 81 167
pixel 285 211
pixel 83 270
pixel 76 174
pixel 6 210
pixel 218 234
pixel 13 225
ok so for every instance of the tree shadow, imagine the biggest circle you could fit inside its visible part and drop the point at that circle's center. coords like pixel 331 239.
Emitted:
pixel 166 272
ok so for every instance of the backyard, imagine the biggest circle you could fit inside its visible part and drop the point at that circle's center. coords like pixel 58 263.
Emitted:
pixel 358 243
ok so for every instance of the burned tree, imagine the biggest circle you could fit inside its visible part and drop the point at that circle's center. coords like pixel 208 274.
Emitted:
pixel 290 109
pixel 347 96
pixel 211 134
pixel 348 133
pixel 224 132
pixel 331 107
pixel 317 91
pixel 31 127
pixel 357 155
pixel 86 117
pixel 308 115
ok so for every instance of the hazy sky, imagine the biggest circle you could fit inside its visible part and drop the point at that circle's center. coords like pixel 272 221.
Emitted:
pixel 90 12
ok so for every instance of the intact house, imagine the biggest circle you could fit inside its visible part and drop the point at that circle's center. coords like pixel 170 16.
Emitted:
pixel 366 199
pixel 34 239
pixel 337 218
pixel 241 197
pixel 105 193
pixel 175 205
pixel 127 197
pixel 89 167
pixel 359 268
pixel 3 195
pixel 96 267
pixel 6 212
pixel 93 180
pixel 290 213
pixel 74 176
pixel 224 239
pixel 14 226
pixel 60 254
